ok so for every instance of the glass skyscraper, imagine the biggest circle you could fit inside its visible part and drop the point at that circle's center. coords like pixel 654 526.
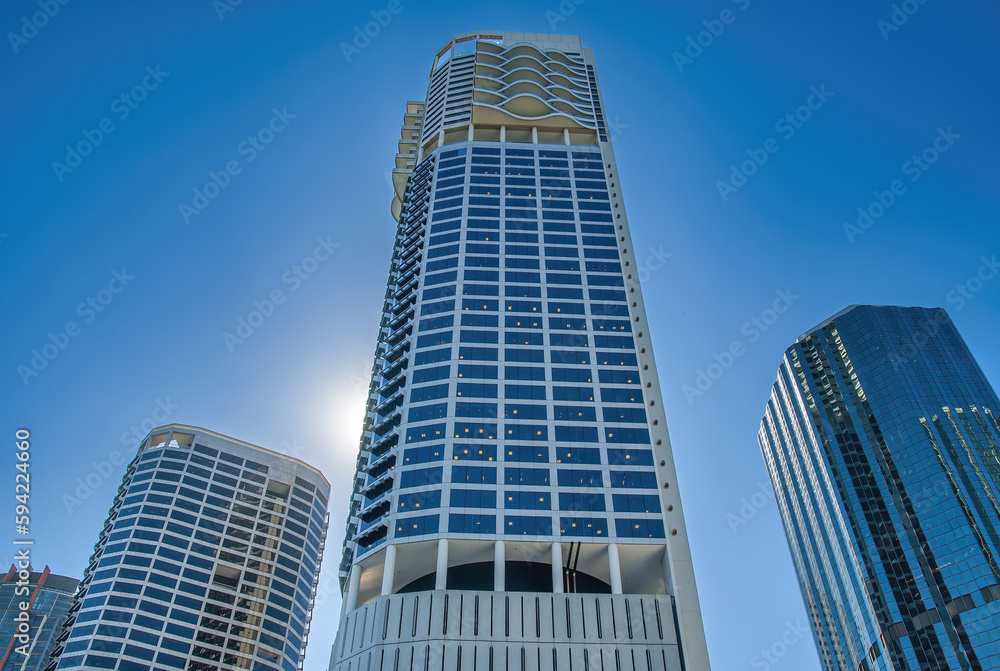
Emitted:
pixel 48 597
pixel 209 560
pixel 882 442
pixel 515 504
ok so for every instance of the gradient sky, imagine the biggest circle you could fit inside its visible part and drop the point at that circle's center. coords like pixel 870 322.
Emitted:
pixel 297 384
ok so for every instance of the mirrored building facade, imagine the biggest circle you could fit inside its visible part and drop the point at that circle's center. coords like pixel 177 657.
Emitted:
pixel 882 441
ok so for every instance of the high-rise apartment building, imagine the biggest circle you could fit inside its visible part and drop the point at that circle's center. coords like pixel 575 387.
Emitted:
pixel 882 442
pixel 40 600
pixel 515 504
pixel 209 560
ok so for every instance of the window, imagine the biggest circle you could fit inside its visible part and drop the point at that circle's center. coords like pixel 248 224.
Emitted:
pixel 474 453
pixel 477 475
pixel 572 375
pixel 432 356
pixel 481 410
pixel 636 503
pixel 619 376
pixel 527 453
pixel 488 321
pixel 627 415
pixel 473 498
pixel 524 355
pixel 476 390
pixel 526 476
pixel 516 411
pixel 629 528
pixel 431 374
pixel 416 526
pixel 525 392
pixel 476 372
pixel 430 340
pixel 526 432
pixel 429 393
pixel 522 338
pixel 530 373
pixel 481 305
pixel 421 477
pixel 426 412
pixel 609 395
pixel 583 526
pixel 633 479
pixel 463 523
pixel 486 337
pixel 578 455
pixel 478 431
pixel 527 322
pixel 573 393
pixel 584 502
pixel 527 525
pixel 423 455
pixel 419 500
pixel 477 353
pixel 416 434
pixel 627 435
pixel 579 478
pixel 630 457
pixel 527 500
pixel 577 434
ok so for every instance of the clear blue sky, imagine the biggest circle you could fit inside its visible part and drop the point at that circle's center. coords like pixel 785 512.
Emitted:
pixel 297 382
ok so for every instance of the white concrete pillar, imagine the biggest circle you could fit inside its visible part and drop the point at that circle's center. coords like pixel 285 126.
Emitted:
pixel 471 132
pixel 668 576
pixel 557 568
pixel 353 585
pixel 441 138
pixel 420 155
pixel 441 579
pixel 389 572
pixel 616 569
pixel 566 135
pixel 499 567
pixel 534 135
pixel 503 133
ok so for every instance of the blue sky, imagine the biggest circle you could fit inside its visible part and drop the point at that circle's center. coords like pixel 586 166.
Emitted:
pixel 107 231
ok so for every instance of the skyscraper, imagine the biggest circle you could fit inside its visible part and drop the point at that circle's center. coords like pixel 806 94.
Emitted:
pixel 209 560
pixel 48 598
pixel 515 503
pixel 882 442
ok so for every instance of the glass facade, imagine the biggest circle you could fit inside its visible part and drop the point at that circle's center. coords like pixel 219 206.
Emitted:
pixel 882 442
pixel 49 598
pixel 208 560
pixel 515 437
pixel 522 369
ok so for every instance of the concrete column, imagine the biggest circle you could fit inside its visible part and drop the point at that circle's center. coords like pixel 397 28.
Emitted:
pixel 441 138
pixel 471 132
pixel 566 135
pixel 668 577
pixel 353 585
pixel 616 569
pixel 557 568
pixel 420 155
pixel 499 567
pixel 534 135
pixel 389 572
pixel 441 579
pixel 503 133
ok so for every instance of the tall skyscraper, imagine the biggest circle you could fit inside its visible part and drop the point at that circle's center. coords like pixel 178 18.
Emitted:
pixel 515 504
pixel 882 442
pixel 209 560
pixel 48 598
